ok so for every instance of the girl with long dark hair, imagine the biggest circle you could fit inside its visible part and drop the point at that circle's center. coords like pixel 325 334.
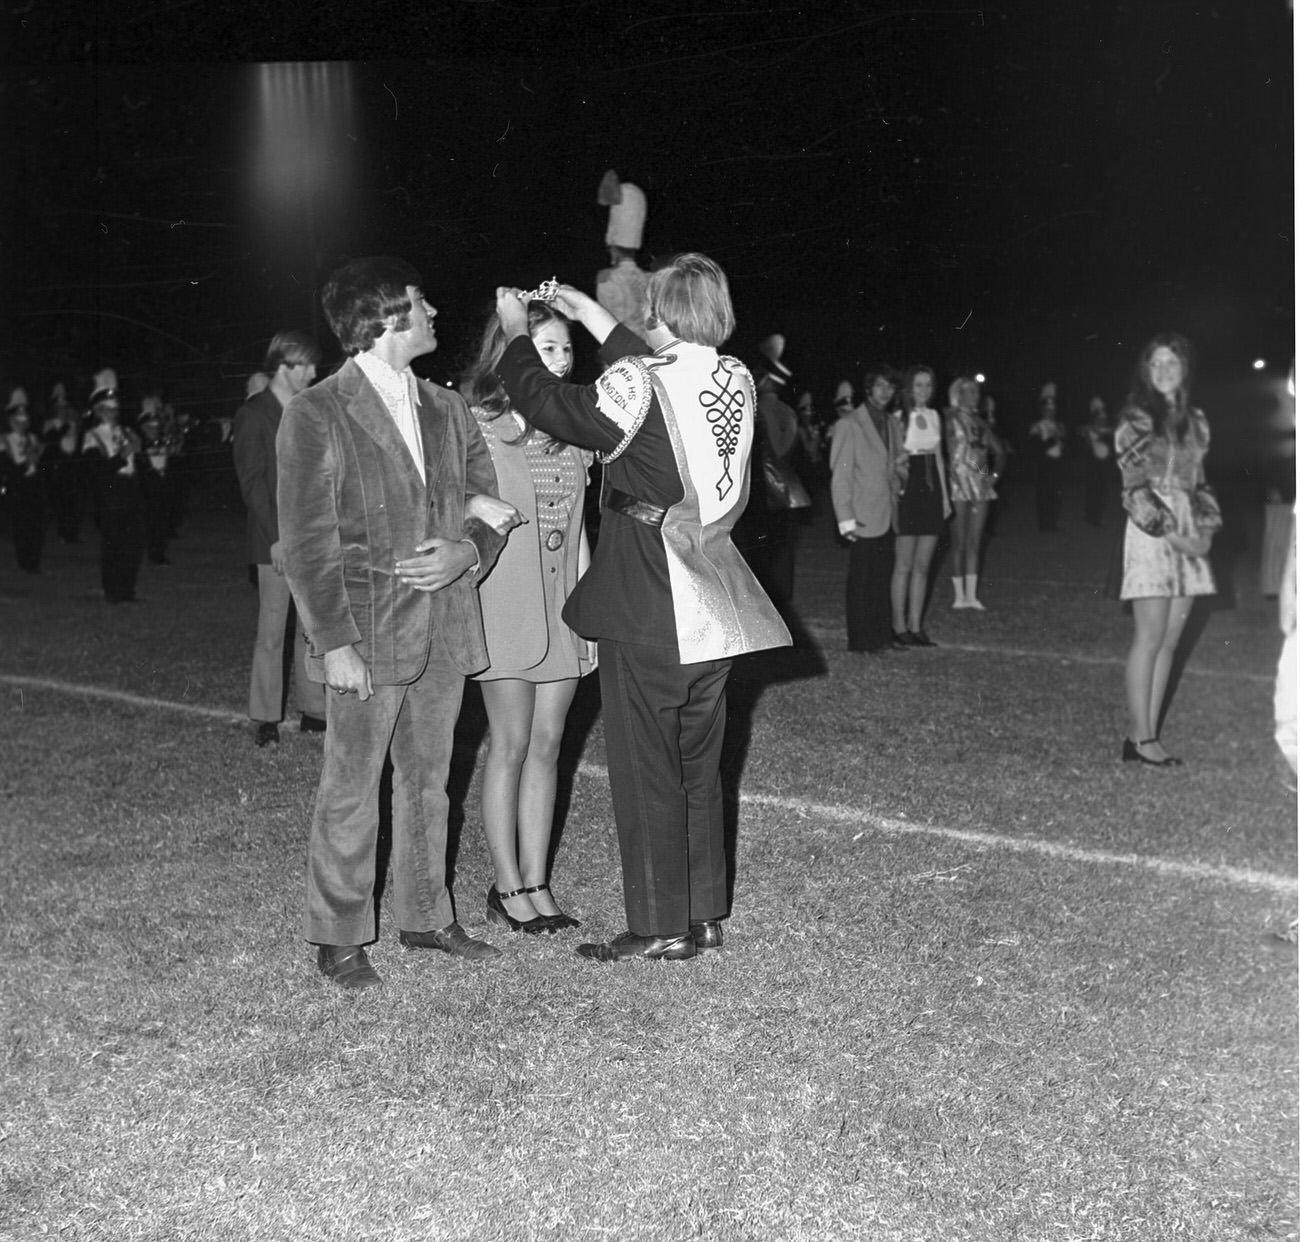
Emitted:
pixel 1161 442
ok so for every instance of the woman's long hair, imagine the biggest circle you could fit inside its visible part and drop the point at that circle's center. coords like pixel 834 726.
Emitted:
pixel 1168 417
pixel 905 393
pixel 481 386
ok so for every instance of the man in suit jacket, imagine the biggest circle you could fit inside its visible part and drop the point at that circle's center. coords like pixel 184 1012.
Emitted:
pixel 382 479
pixel 865 485
pixel 291 364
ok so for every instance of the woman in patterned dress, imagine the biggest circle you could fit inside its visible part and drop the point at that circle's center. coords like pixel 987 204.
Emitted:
pixel 972 472
pixel 1161 443
pixel 535 660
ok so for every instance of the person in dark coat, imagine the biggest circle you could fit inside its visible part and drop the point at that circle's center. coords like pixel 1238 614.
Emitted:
pixel 291 364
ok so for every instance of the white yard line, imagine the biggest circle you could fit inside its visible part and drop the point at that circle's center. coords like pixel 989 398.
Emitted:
pixel 834 813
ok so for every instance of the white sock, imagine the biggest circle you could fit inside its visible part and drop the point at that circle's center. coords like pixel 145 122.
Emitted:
pixel 971 601
pixel 959 594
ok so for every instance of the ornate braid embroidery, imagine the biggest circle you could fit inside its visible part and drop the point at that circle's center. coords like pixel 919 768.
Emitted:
pixel 724 406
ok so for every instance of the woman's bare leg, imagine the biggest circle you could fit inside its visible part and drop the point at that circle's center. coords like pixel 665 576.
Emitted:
pixel 1179 610
pixel 510 709
pixel 537 782
pixel 904 554
pixel 1150 620
pixel 919 582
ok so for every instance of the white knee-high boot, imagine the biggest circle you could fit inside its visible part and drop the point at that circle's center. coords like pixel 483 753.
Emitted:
pixel 971 601
pixel 959 594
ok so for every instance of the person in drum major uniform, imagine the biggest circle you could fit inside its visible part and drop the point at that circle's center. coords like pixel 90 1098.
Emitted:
pixel 667 598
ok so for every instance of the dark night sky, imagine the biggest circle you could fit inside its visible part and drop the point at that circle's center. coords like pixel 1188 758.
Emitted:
pixel 1029 189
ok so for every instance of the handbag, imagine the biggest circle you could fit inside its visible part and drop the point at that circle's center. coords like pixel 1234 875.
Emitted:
pixel 785 490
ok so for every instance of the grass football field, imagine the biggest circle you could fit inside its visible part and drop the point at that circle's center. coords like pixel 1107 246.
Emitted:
pixel 982 980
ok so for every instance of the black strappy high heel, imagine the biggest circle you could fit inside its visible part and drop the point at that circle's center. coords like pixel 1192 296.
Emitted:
pixel 558 921
pixel 497 913
pixel 1131 754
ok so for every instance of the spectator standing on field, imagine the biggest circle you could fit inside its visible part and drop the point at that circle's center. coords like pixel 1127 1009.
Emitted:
pixel 291 365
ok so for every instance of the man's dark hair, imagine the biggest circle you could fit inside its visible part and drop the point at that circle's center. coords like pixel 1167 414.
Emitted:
pixel 290 347
pixel 361 295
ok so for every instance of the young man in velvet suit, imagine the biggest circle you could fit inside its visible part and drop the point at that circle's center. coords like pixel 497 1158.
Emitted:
pixel 385 485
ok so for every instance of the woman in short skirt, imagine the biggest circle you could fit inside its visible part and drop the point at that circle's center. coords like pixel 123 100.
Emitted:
pixel 535 660
pixel 922 509
pixel 1161 443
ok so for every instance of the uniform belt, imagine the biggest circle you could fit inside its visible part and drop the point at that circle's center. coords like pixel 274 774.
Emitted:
pixel 630 506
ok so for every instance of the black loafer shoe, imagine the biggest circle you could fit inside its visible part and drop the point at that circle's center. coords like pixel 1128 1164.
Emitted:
pixel 348 966
pixel 311 724
pixel 901 641
pixel 707 935
pixel 652 948
pixel 453 939
pixel 267 734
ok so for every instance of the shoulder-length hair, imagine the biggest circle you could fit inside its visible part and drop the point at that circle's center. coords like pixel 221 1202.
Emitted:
pixel 480 384
pixel 360 297
pixel 1167 417
pixel 690 296
pixel 905 392
pixel 292 347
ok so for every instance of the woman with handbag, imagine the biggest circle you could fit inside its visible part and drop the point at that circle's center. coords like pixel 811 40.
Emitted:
pixel 922 509
pixel 1161 442
pixel 973 470
pixel 535 659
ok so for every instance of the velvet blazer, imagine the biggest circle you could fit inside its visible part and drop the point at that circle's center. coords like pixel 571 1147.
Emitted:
pixel 352 503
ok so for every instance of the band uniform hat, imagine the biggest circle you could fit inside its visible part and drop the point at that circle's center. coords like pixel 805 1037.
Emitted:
pixel 627 211
pixel 103 386
pixel 17 399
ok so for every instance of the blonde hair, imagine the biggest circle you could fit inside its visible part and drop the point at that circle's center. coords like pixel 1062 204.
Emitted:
pixel 690 296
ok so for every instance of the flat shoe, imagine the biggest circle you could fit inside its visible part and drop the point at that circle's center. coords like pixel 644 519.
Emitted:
pixel 652 948
pixel 453 939
pixel 348 966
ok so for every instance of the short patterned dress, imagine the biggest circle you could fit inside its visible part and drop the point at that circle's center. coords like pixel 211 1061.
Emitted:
pixel 558 478
pixel 920 507
pixel 970 477
pixel 1164 490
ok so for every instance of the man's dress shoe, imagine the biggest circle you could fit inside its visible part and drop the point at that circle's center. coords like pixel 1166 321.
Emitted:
pixel 707 935
pixel 453 939
pixel 267 733
pixel 630 945
pixel 347 965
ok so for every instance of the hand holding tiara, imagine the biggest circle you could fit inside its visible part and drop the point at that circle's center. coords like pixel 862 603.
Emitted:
pixel 545 292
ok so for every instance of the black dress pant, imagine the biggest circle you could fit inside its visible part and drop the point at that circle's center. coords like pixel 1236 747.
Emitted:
pixel 870 624
pixel 158 489
pixel 121 536
pixel 664 724
pixel 1051 477
pixel 27 520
